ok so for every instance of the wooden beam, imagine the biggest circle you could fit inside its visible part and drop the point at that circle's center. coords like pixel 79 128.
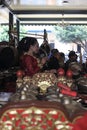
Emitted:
pixel 49 11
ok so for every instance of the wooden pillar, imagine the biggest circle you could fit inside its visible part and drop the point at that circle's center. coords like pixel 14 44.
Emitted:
pixel 10 26
pixel 18 29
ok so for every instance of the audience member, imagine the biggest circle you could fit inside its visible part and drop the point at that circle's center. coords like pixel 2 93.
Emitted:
pixel 53 62
pixel 84 65
pixel 72 58
pixel 62 60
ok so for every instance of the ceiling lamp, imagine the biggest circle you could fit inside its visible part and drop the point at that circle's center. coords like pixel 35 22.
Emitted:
pixel 63 23
pixel 65 1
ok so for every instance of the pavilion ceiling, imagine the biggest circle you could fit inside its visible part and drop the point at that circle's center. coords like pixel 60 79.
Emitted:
pixel 50 12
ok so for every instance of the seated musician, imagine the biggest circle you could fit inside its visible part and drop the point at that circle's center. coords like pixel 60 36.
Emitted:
pixel 29 47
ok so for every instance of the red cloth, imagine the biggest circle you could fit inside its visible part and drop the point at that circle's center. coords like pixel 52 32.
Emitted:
pixel 29 64
pixel 81 124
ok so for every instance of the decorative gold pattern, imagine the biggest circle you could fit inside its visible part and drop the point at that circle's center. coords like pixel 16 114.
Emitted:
pixel 62 79
pixel 19 83
pixel 27 79
pixel 34 119
pixel 44 80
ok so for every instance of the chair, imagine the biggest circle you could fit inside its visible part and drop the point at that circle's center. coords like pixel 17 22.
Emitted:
pixel 35 115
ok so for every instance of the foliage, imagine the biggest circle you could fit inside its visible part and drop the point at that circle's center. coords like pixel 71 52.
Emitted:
pixel 4 36
pixel 73 33
pixel 23 31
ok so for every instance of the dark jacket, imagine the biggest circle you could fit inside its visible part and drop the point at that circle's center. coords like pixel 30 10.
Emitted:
pixel 52 63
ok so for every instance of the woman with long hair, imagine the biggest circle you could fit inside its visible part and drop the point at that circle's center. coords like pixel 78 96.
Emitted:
pixel 28 47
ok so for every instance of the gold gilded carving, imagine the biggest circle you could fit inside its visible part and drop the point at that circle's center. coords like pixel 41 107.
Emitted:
pixel 44 80
pixel 34 119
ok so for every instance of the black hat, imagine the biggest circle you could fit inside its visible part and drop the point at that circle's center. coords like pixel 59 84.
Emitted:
pixel 54 51
pixel 71 53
